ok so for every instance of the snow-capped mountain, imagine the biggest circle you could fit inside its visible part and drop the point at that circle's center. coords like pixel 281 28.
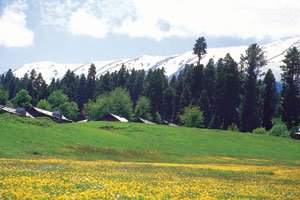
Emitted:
pixel 172 64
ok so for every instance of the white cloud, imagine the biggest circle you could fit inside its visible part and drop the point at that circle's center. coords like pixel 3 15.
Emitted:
pixel 95 18
pixel 160 19
pixel 83 23
pixel 14 32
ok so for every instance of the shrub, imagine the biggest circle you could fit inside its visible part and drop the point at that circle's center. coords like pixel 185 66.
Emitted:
pixel 259 130
pixel 192 117
pixel 22 99
pixel 44 104
pixel 157 118
pixel 142 108
pixel 70 110
pixel 57 99
pixel 117 102
pixel 232 127
pixel 279 128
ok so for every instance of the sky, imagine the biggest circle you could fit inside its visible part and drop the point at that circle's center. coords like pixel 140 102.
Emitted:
pixel 80 31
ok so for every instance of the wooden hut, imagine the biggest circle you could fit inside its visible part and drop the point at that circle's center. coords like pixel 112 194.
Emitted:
pixel 113 118
pixel 55 116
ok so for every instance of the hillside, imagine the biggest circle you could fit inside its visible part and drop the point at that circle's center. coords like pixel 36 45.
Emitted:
pixel 41 138
pixel 172 64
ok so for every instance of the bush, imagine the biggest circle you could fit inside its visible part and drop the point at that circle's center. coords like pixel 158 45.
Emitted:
pixel 259 130
pixel 120 103
pixel 44 104
pixel 142 108
pixel 157 118
pixel 57 99
pixel 117 102
pixel 279 128
pixel 232 127
pixel 192 117
pixel 22 99
pixel 70 110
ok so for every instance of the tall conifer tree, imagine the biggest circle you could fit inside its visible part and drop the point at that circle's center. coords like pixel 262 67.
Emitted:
pixel 269 104
pixel 252 61
pixel 91 81
pixel 290 101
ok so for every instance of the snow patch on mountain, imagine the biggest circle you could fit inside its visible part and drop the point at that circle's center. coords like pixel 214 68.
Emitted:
pixel 173 64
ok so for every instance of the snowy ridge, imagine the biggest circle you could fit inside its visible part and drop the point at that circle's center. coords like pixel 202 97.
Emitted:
pixel 172 64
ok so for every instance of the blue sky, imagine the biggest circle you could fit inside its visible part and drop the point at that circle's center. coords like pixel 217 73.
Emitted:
pixel 78 31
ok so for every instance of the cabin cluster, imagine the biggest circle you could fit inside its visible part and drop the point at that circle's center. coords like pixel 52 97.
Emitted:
pixel 57 117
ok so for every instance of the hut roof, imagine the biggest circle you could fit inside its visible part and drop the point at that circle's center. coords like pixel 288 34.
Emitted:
pixel 48 113
pixel 14 111
pixel 121 119
pixel 145 121
pixel 85 120
pixel 112 117
pixel 165 122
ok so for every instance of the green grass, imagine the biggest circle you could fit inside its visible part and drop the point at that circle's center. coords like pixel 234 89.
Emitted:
pixel 40 138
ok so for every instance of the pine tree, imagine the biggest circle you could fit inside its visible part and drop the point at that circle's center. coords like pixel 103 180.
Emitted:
pixel 32 87
pixel 42 87
pixel 9 84
pixel 173 106
pixel 69 85
pixel 290 92
pixel 123 76
pixel 169 100
pixel 104 84
pixel 24 82
pixel 135 84
pixel 226 94
pixel 82 92
pixel 154 87
pixel 91 82
pixel 196 83
pixel 209 78
pixel 253 60
pixel 35 85
pixel 200 48
pixel 186 86
pixel 54 85
pixel 205 107
pixel 269 104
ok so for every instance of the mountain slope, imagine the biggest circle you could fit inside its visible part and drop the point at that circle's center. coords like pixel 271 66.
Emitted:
pixel 172 64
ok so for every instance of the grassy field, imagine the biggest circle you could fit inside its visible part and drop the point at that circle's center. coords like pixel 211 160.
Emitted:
pixel 41 138
pixel 43 160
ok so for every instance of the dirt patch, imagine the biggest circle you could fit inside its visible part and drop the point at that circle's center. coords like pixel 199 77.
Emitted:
pixel 108 128
pixel 35 153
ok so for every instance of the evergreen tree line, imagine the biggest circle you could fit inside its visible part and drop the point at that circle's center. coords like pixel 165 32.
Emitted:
pixel 228 93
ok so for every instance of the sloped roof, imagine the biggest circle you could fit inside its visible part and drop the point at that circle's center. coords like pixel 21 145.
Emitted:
pixel 50 114
pixel 121 119
pixel 13 111
pixel 145 121
pixel 85 120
